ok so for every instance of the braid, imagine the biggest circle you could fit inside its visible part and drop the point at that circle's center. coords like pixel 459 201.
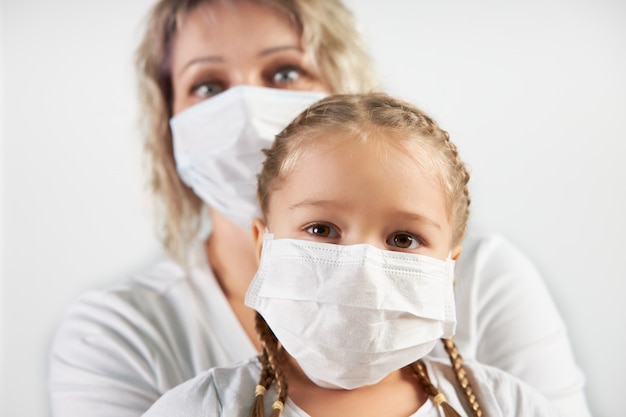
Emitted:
pixel 266 376
pixel 462 199
pixel 461 376
pixel 272 360
pixel 420 373
pixel 276 358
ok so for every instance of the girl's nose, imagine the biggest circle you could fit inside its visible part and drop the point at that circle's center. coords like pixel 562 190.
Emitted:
pixel 367 238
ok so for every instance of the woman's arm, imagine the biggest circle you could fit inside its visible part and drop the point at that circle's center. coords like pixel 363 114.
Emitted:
pixel 507 319
pixel 101 362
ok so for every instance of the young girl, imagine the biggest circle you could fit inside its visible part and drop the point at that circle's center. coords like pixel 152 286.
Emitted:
pixel 355 279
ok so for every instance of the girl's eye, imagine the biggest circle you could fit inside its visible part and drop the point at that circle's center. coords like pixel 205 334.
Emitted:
pixel 287 75
pixel 322 230
pixel 403 241
pixel 207 90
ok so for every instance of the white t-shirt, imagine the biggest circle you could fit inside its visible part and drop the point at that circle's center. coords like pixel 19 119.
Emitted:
pixel 229 392
pixel 118 350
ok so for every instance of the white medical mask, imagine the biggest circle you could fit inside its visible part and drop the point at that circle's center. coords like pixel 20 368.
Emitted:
pixel 218 143
pixel 350 315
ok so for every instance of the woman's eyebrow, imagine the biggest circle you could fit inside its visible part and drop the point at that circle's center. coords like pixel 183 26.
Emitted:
pixel 201 59
pixel 219 59
pixel 275 49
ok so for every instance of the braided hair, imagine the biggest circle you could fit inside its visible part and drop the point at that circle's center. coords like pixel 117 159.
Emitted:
pixel 363 117
pixel 272 359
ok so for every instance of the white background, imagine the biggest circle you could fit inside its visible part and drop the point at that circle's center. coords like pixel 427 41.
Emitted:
pixel 533 92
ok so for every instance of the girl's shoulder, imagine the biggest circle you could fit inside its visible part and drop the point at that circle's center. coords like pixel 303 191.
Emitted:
pixel 220 391
pixel 498 393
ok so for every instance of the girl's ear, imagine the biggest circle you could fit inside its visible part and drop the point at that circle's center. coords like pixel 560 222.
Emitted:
pixel 258 230
pixel 456 252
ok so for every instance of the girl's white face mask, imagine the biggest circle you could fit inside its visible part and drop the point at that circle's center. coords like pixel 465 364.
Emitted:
pixel 218 143
pixel 350 315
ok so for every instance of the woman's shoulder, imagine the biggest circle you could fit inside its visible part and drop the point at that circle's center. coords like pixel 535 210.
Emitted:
pixel 493 251
pixel 138 294
pixel 111 341
pixel 144 336
pixel 162 287
pixel 167 303
pixel 491 267
pixel 498 393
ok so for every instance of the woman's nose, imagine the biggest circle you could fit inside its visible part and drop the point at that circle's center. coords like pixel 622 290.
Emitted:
pixel 250 78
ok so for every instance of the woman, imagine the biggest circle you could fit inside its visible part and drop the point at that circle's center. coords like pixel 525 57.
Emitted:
pixel 117 351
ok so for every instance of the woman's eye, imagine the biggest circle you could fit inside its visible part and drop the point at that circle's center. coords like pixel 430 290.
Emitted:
pixel 403 241
pixel 207 90
pixel 322 230
pixel 288 75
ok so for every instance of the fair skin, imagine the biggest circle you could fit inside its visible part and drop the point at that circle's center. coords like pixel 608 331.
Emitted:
pixel 372 193
pixel 219 46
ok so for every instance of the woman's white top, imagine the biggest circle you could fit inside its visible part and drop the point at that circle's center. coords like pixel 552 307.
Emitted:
pixel 229 392
pixel 118 350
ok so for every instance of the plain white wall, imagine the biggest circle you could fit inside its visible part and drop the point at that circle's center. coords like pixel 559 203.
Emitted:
pixel 533 92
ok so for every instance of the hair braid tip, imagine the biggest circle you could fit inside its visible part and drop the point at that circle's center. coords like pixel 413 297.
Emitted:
pixel 277 408
pixel 439 399
pixel 258 405
pixel 260 390
pixel 278 405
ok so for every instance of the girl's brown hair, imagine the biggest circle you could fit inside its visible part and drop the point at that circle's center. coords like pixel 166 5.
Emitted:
pixel 333 48
pixel 366 117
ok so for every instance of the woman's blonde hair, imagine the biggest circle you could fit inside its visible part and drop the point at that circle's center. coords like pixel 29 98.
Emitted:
pixel 365 117
pixel 331 43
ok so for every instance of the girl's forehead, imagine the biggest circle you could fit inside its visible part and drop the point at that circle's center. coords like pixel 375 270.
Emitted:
pixel 353 172
pixel 389 152
pixel 385 142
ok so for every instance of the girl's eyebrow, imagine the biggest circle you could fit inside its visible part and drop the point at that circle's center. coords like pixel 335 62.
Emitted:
pixel 419 218
pixel 313 202
pixel 408 215
pixel 219 59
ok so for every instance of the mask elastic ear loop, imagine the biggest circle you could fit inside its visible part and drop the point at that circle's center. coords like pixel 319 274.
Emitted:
pixel 267 238
pixel 448 261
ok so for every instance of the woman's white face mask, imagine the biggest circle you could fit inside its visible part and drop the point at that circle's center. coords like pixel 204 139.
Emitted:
pixel 218 144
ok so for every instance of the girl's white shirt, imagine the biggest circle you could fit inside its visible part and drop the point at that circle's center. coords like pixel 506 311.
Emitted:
pixel 229 392
pixel 118 350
